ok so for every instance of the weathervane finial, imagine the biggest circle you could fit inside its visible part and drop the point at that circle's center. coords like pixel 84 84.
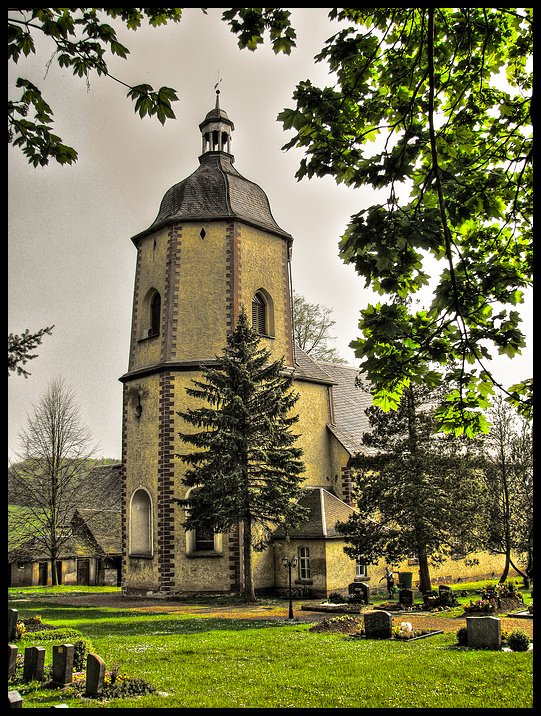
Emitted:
pixel 217 91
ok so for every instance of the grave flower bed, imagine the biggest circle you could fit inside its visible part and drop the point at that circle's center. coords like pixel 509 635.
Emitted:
pixel 483 606
pixel 497 598
pixel 405 631
pixel 116 686
pixel 354 626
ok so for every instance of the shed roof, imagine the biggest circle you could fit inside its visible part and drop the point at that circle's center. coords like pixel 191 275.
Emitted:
pixel 325 511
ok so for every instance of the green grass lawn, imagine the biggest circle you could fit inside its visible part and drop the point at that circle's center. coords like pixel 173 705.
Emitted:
pixel 209 662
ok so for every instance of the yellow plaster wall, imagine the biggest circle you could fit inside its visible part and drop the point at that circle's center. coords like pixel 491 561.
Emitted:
pixel 263 265
pixel 141 470
pixel 151 274
pixel 201 317
pixel 479 565
pixel 314 413
pixel 318 575
pixel 193 573
pixel 340 568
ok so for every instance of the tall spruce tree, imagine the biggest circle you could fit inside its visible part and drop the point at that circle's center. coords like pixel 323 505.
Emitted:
pixel 245 468
pixel 416 492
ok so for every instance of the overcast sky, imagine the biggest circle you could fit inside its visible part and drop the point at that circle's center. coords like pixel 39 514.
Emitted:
pixel 71 260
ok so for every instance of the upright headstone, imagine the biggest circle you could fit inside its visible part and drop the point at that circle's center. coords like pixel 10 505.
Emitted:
pixel 484 632
pixel 12 659
pixel 365 591
pixel 445 594
pixel 13 616
pixel 405 597
pixel 95 675
pixel 378 624
pixel 34 663
pixel 15 700
pixel 63 664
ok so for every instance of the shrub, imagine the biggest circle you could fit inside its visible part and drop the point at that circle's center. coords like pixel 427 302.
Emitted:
pixel 462 636
pixel 57 635
pixel 518 640
pixel 81 649
pixel 336 598
pixel 120 687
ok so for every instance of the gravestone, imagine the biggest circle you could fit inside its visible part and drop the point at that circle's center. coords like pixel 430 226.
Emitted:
pixel 359 592
pixel 15 700
pixel 446 597
pixel 13 616
pixel 95 675
pixel 405 597
pixel 34 663
pixel 484 632
pixel 12 659
pixel 365 591
pixel 63 664
pixel 378 624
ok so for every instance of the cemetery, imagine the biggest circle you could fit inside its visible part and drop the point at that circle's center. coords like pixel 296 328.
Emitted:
pixel 81 667
pixel 73 670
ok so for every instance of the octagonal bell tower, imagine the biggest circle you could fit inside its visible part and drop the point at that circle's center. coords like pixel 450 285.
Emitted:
pixel 213 249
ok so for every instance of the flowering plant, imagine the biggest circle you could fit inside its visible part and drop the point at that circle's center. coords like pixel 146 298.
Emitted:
pixel 481 605
pixel 405 631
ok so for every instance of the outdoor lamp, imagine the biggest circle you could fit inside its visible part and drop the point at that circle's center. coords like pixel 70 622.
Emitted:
pixel 290 563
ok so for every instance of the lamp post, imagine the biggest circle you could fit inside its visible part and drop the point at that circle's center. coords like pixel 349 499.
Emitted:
pixel 290 563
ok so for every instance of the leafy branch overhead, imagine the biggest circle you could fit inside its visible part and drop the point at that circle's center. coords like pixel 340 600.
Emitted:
pixel 432 106
pixel 81 39
pixel 447 95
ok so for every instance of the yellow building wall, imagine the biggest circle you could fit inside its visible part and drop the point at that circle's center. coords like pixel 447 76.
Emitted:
pixel 200 329
pixel 476 566
pixel 150 276
pixel 263 264
pixel 314 413
pixel 203 281
pixel 141 471
pixel 340 568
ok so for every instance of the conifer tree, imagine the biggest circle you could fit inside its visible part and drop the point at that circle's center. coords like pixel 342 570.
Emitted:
pixel 245 468
pixel 415 491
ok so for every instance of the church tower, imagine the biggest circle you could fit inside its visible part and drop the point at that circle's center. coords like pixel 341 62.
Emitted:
pixel 213 249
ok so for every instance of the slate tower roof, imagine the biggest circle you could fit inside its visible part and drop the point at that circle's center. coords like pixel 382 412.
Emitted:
pixel 216 190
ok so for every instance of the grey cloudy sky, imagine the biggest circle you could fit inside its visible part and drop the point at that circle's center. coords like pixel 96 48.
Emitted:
pixel 71 261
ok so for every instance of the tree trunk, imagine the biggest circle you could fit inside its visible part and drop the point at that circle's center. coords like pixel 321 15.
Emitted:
pixel 54 580
pixel 424 573
pixel 505 572
pixel 249 591
pixel 506 514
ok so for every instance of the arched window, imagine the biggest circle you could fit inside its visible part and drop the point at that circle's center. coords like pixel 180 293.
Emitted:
pixel 259 314
pixel 141 523
pixel 155 312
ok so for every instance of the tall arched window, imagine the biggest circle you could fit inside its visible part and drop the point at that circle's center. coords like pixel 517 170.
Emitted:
pixel 155 313
pixel 259 314
pixel 141 523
